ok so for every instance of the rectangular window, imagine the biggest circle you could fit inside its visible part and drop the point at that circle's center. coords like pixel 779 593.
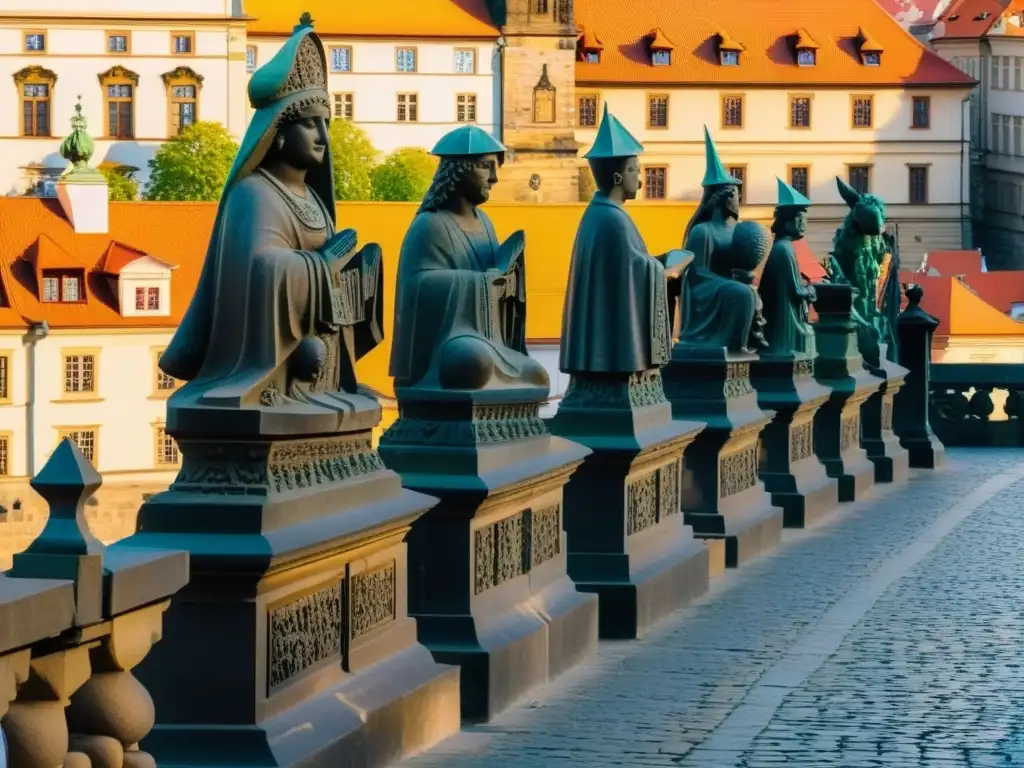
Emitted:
pixel 35 42
pixel 182 43
pixel 250 58
pixel 732 111
pixel 79 374
pixel 862 111
pixel 5 455
pixel 405 59
pixel 661 58
pixel 117 42
pixel 918 184
pixel 465 108
pixel 592 57
pixel 586 110
pixel 730 58
pixel 70 288
pixel 408 108
pixel 165 383
pixel 167 454
pixel 35 104
pixel 153 299
pixel 1007 84
pixel 922 108
pixel 806 57
pixel 860 178
pixel 465 61
pixel 341 59
pixel 800 179
pixel 657 111
pixel 344 106
pixel 5 370
pixel 51 289
pixel 800 112
pixel 183 107
pixel 654 182
pixel 995 122
pixel 1006 142
pixel 140 299
pixel 739 172
pixel 1018 139
pixel 84 438
pixel 120 118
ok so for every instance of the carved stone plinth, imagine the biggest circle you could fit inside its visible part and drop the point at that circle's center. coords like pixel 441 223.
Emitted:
pixel 840 367
pixel 489 588
pixel 292 644
pixel 792 473
pixel 627 541
pixel 891 460
pixel 722 495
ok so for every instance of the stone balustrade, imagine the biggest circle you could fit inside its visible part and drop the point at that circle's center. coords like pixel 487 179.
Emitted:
pixel 75 618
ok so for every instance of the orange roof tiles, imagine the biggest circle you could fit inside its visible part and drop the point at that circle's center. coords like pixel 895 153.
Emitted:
pixel 658 41
pixel 804 40
pixel 590 42
pixel 391 19
pixel 868 43
pixel 971 315
pixel 768 31
pixel 972 19
pixel 726 43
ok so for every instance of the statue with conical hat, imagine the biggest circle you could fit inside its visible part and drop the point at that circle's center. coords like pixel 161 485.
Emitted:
pixel 616 317
pixel 783 291
pixel 285 305
pixel 719 304
pixel 460 309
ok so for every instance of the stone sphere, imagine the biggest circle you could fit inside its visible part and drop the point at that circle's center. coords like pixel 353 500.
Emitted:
pixel 751 243
pixel 114 703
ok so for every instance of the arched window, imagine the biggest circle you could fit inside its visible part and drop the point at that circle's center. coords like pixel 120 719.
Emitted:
pixel 35 92
pixel 183 86
pixel 119 86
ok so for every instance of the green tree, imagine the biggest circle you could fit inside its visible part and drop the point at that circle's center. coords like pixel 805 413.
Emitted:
pixel 193 165
pixel 404 176
pixel 586 184
pixel 354 158
pixel 121 184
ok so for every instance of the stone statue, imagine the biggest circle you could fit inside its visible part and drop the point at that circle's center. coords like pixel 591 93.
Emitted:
pixel 719 306
pixel 460 310
pixel 285 306
pixel 616 317
pixel 782 290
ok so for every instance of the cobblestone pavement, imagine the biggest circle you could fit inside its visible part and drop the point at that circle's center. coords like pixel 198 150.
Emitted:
pixel 891 635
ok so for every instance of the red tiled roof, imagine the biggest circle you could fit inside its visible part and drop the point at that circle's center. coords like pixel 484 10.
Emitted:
pixel 768 31
pixel 935 300
pixel 949 263
pixel 972 19
pixel 809 265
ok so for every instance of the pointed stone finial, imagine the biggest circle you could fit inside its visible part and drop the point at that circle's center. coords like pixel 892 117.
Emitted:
pixel 65 482
pixel 78 147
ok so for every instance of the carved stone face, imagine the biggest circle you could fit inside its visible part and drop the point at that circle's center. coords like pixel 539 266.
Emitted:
pixel 631 183
pixel 798 225
pixel 476 185
pixel 730 201
pixel 305 142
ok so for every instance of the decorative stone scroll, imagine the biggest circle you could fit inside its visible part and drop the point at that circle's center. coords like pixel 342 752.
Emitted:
pixel 737 380
pixel 801 441
pixel 850 435
pixel 303 633
pixel 373 599
pixel 738 471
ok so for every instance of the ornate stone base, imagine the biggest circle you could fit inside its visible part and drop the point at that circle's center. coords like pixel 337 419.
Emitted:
pixel 722 495
pixel 837 428
pixel 891 460
pixel 627 541
pixel 490 590
pixel 792 474
pixel 291 644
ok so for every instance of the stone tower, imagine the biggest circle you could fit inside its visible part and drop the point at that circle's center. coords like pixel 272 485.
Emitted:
pixel 538 100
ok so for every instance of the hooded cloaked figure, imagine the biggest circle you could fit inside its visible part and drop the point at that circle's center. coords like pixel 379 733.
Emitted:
pixel 782 290
pixel 267 311
pixel 460 308
pixel 616 314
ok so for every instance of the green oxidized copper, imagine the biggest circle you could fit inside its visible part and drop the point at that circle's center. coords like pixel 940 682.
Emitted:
pixel 613 140
pixel 78 147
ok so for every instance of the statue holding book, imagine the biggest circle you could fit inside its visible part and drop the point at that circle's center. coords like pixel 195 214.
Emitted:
pixel 460 310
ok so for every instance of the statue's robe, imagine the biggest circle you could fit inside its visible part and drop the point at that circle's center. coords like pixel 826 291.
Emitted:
pixel 717 311
pixel 787 329
pixel 454 329
pixel 615 318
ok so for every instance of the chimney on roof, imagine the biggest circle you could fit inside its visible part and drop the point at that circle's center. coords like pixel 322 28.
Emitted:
pixel 82 190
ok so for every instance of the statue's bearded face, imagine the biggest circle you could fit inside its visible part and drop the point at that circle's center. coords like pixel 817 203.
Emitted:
pixel 305 142
pixel 730 201
pixel 631 183
pixel 476 185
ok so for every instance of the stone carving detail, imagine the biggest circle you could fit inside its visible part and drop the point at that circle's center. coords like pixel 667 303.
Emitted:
pixel 637 391
pixel 511 561
pixel 801 442
pixel 502 550
pixel 850 435
pixel 737 380
pixel 641 502
pixel 887 415
pixel 484 558
pixel 489 424
pixel 303 633
pixel 803 368
pixel 668 491
pixel 738 471
pixel 271 396
pixel 373 599
pixel 307 463
pixel 545 533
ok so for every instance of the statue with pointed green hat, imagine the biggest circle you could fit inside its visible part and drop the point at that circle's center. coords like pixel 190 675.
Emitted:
pixel 784 292
pixel 285 304
pixel 460 304
pixel 616 316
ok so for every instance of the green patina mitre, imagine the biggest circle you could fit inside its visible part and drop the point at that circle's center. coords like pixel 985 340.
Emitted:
pixel 291 72
pixel 714 171
pixel 468 141
pixel 789 197
pixel 613 140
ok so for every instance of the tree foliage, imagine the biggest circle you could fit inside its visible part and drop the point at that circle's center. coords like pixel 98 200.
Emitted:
pixel 404 176
pixel 586 185
pixel 121 184
pixel 354 157
pixel 192 165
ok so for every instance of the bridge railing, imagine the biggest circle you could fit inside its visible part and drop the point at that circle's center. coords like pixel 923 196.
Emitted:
pixel 977 404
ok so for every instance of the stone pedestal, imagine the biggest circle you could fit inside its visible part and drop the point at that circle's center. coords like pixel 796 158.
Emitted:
pixel 722 496
pixel 891 460
pixel 910 405
pixel 792 473
pixel 488 586
pixel 840 367
pixel 292 644
pixel 627 541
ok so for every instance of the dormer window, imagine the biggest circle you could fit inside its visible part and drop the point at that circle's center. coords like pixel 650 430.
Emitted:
pixel 728 51
pixel 872 59
pixel 806 49
pixel 730 58
pixel 147 299
pixel 661 49
pixel 592 57
pixel 61 287
pixel 589 48
pixel 806 57
pixel 870 51
pixel 661 58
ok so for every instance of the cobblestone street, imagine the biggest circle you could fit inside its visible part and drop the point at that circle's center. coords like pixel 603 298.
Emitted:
pixel 891 635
